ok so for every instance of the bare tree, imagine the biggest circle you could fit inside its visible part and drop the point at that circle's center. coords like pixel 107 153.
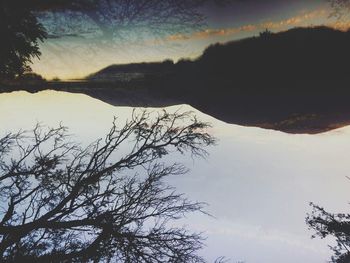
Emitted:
pixel 64 203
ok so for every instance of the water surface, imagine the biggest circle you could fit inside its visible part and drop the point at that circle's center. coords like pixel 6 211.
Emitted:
pixel 257 182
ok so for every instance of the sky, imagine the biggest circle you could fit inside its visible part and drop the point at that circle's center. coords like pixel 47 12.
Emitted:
pixel 72 56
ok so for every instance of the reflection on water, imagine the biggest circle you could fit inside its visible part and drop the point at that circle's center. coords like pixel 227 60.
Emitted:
pixel 258 182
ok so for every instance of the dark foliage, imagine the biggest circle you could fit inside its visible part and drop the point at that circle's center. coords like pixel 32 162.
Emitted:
pixel 61 203
pixel 20 33
pixel 30 77
pixel 336 225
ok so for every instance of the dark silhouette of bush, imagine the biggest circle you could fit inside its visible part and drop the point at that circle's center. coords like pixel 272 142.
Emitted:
pixel 265 34
pixel 56 79
pixel 30 78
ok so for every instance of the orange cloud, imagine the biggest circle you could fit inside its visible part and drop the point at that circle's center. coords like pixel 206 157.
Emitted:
pixel 299 20
pixel 296 20
pixel 340 25
pixel 212 33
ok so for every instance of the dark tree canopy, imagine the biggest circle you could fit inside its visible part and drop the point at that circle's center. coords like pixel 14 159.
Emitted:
pixel 20 33
pixel 335 225
pixel 62 203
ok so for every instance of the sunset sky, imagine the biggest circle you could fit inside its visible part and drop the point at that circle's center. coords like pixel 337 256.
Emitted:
pixel 74 56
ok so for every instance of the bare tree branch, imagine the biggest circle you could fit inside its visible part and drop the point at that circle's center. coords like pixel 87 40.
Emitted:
pixel 64 203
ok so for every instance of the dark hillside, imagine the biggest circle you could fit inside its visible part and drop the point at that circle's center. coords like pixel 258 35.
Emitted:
pixel 294 55
pixel 273 80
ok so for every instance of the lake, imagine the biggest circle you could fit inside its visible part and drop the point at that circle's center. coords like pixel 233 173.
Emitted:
pixel 258 183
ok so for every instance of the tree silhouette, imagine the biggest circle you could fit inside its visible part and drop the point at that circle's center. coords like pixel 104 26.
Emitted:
pixel 20 33
pixel 336 225
pixel 265 34
pixel 62 203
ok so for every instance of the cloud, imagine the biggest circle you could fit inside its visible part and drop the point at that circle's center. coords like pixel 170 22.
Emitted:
pixel 207 33
pixel 304 18
pixel 340 25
